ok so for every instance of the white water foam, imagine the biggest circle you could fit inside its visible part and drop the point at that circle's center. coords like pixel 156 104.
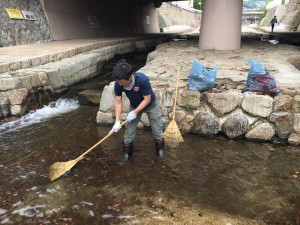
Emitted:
pixel 37 116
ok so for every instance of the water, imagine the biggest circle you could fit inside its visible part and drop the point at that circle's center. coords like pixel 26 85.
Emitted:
pixel 205 180
pixel 213 176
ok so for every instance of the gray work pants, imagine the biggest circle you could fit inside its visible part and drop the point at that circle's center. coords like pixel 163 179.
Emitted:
pixel 155 117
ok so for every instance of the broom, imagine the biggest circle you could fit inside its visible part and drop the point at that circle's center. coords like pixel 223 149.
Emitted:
pixel 172 133
pixel 59 168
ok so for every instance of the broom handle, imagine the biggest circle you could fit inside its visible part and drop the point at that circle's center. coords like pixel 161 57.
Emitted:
pixel 98 143
pixel 176 92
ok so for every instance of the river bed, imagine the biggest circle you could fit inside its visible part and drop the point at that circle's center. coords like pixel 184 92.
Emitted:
pixel 205 180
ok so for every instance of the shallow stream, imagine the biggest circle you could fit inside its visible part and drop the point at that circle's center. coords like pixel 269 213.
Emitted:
pixel 205 180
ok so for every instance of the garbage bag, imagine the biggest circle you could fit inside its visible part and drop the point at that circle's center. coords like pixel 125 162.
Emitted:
pixel 259 79
pixel 201 79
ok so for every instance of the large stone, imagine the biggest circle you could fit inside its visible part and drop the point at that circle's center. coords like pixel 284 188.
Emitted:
pixel 283 122
pixel 296 103
pixel 17 96
pixel 105 118
pixel 18 110
pixel 282 103
pixel 297 123
pixel 294 139
pixel 263 131
pixel 257 105
pixel 43 78
pixel 55 79
pixel 235 126
pixel 188 99
pixel 107 102
pixel 10 84
pixel 89 97
pixel 205 124
pixel 35 80
pixel 222 103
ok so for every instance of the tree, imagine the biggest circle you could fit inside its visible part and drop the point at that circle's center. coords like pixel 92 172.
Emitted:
pixel 198 4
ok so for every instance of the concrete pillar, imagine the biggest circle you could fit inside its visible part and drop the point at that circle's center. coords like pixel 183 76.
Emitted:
pixel 221 25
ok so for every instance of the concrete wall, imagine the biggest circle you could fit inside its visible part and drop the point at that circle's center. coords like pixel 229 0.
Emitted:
pixel 175 15
pixel 68 19
pixel 18 32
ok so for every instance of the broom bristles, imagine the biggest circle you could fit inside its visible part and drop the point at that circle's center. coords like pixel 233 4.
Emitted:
pixel 59 168
pixel 172 133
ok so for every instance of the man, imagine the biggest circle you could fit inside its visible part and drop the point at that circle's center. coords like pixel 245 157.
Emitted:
pixel 142 100
pixel 273 22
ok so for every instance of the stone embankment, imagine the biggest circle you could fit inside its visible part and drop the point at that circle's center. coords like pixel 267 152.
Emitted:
pixel 30 83
pixel 223 109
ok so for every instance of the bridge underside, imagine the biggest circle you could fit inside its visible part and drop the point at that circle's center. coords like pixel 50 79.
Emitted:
pixel 69 19
pixel 76 19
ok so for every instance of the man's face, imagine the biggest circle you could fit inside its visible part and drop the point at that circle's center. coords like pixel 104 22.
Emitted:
pixel 124 82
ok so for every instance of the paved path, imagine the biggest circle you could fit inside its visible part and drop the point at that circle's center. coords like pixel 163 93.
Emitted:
pixel 26 56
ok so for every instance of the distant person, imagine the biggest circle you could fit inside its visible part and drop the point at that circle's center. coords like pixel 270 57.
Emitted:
pixel 273 22
pixel 142 99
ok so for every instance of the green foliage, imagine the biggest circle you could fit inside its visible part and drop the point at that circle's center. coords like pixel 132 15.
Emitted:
pixel 282 2
pixel 189 106
pixel 198 4
pixel 264 10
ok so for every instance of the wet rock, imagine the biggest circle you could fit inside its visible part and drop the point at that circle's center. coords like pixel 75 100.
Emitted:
pixel 179 115
pixel 283 122
pixel 294 139
pixel 282 103
pixel 89 97
pixel 185 127
pixel 263 131
pixel 235 126
pixel 105 118
pixel 4 106
pixel 205 124
pixel 222 103
pixel 257 105
pixel 18 110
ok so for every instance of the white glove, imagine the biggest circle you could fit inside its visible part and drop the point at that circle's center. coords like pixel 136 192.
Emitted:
pixel 131 116
pixel 116 127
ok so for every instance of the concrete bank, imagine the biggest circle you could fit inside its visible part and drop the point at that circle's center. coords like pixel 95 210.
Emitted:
pixel 32 75
pixel 223 109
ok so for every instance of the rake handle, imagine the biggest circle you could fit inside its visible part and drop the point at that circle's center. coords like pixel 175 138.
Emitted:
pixel 176 93
pixel 95 145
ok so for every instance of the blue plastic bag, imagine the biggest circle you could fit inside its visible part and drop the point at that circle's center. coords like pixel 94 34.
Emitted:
pixel 201 79
pixel 259 79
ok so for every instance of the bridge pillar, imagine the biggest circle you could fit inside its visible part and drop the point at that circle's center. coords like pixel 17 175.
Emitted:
pixel 221 25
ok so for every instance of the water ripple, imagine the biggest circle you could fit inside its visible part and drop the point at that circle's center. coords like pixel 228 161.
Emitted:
pixel 37 116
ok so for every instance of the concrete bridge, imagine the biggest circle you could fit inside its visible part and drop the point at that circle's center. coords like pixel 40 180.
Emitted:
pixel 220 28
pixel 78 19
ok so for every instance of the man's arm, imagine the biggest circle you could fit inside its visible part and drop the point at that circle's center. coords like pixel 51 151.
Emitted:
pixel 143 104
pixel 118 107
